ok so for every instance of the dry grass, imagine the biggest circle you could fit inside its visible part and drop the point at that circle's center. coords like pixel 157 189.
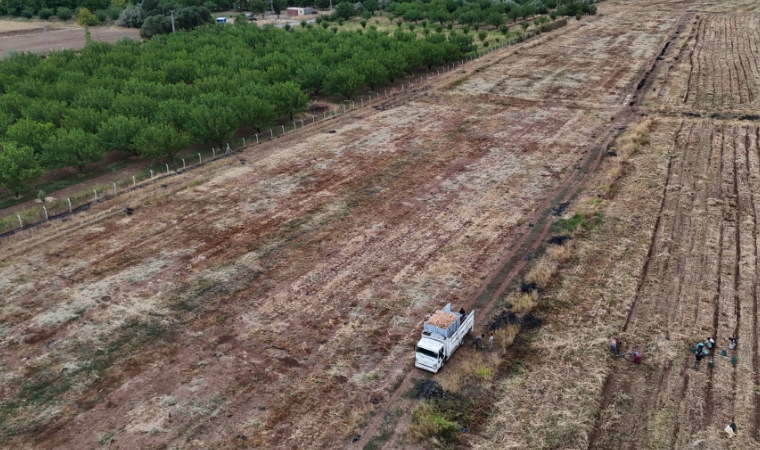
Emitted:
pixel 505 336
pixel 626 146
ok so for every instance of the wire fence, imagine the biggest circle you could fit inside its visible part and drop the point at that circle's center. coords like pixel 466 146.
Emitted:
pixel 84 199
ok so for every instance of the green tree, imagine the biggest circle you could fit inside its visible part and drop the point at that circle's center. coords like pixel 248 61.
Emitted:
pixel 413 15
pixel 87 119
pixel 312 76
pixel 161 141
pixel 394 63
pixel 256 113
pixel 30 133
pixel 288 99
pixel 371 5
pixel 495 19
pixel 344 10
pixel 278 6
pixel 119 132
pixel 463 41
pixel 213 118
pixel 432 54
pixel 71 148
pixel 440 16
pixel 372 70
pixel 19 168
pixel 259 6
pixel 343 80
pixel 86 17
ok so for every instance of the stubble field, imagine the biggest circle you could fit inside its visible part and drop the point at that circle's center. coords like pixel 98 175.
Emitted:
pixel 268 299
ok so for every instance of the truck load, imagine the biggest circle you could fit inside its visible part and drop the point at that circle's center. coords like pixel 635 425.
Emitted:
pixel 442 334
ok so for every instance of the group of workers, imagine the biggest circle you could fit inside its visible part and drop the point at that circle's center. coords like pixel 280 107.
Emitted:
pixel 701 350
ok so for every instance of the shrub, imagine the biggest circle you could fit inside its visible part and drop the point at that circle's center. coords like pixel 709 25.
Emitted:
pixel 325 24
pixel 427 423
pixel 132 16
pixel 41 195
pixel 366 15
pixel 86 17
pixel 102 15
pixel 65 13
pixel 438 29
pixel 450 25
pixel 465 29
pixel 363 23
pixel 504 29
pixel 114 11
pixel 524 24
pixel 482 36
pixel 303 24
pixel 286 27
pixel 28 13
pixel 334 30
pixel 341 21
pixel 578 16
pixel 46 13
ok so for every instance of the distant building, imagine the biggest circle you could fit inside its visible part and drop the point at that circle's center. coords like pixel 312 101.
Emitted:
pixel 297 11
pixel 221 20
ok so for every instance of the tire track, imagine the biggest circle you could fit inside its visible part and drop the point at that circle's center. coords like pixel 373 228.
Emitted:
pixel 755 359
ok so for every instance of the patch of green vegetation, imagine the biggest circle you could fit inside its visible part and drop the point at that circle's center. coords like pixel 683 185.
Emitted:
pixel 578 221
pixel 378 440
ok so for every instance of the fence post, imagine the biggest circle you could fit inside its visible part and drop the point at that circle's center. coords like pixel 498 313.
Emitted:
pixel 96 194
pixel 46 214
pixel 200 159
pixel 229 150
pixel 243 142
pixel 167 167
pixel 134 182
pixel 21 224
pixel 301 123
pixel 353 106
pixel 324 115
pixel 183 164
pixel 312 120
pixel 257 138
pixel 213 152
pixel 438 72
pixel 283 129
pixel 69 199
pixel 271 134
pixel 385 92
pixel 151 173
pixel 344 108
pixel 362 99
pixel 294 125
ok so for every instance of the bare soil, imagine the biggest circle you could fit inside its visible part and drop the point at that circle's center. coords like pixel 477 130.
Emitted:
pixel 34 40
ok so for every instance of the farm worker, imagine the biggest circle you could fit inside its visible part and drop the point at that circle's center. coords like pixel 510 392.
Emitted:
pixel 461 318
pixel 700 347
pixel 613 346
pixel 730 429
pixel 732 343
pixel 476 341
pixel 709 342
pixel 490 342
pixel 636 358
pixel 698 357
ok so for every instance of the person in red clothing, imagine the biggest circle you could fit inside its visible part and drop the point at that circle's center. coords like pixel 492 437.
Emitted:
pixel 636 358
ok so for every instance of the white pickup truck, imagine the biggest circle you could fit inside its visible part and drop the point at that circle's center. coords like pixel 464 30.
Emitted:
pixel 442 334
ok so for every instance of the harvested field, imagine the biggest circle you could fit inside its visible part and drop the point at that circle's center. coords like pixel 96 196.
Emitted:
pixel 34 40
pixel 674 261
pixel 8 27
pixel 268 296
pixel 717 68
pixel 581 67
pixel 271 299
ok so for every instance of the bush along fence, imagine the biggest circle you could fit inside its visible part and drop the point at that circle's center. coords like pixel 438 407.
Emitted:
pixel 83 200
